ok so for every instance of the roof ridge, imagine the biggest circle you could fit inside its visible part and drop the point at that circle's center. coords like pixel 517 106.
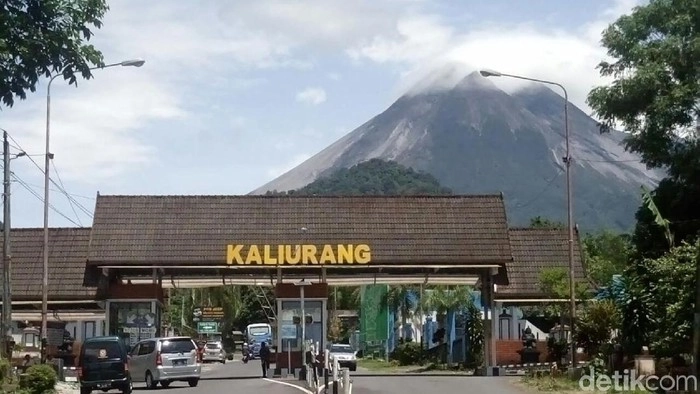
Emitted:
pixel 50 228
pixel 242 196
pixel 524 228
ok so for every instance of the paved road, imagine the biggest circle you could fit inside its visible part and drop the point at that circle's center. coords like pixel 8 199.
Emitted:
pixel 234 376
pixel 432 384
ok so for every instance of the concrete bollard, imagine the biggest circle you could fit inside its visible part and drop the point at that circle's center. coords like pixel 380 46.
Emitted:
pixel 346 381
pixel 336 383
pixel 326 370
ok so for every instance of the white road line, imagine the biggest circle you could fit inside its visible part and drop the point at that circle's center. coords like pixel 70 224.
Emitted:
pixel 290 385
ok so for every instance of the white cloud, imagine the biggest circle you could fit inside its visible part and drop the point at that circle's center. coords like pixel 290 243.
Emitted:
pixel 93 126
pixel 101 129
pixel 327 25
pixel 417 38
pixel 420 45
pixel 314 96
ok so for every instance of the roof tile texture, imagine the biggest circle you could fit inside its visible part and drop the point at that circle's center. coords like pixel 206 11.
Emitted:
pixel 536 249
pixel 399 229
pixel 68 249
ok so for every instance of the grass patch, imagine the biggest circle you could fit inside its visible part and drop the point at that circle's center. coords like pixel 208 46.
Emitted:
pixel 379 365
pixel 557 384
pixel 552 384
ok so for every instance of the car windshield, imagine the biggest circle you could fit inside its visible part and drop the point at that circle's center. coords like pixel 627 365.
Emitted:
pixel 99 351
pixel 258 331
pixel 213 346
pixel 179 345
pixel 341 349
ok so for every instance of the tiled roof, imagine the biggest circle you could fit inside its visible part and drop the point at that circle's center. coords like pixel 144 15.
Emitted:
pixel 399 229
pixel 68 248
pixel 535 249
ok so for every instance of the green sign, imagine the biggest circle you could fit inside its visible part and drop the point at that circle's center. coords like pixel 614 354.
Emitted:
pixel 208 327
pixel 374 317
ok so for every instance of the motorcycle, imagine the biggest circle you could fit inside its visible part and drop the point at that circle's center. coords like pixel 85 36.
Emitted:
pixel 247 354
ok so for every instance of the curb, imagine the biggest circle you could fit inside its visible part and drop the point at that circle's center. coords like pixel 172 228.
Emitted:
pixel 398 374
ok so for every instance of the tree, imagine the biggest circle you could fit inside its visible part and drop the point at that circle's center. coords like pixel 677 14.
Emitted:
pixel 655 96
pixel 44 38
pixel 596 326
pixel 251 311
pixel 606 254
pixel 372 177
pixel 345 297
pixel 554 282
pixel 402 301
pixel 656 92
pixel 442 300
pixel 540 222
pixel 335 330
pixel 676 201
pixel 671 281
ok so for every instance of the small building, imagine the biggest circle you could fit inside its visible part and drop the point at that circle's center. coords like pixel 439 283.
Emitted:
pixel 73 311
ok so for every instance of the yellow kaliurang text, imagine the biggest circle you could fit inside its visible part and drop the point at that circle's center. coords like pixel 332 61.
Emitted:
pixel 298 254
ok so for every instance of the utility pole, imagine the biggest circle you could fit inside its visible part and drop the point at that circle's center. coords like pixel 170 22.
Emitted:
pixel 696 324
pixel 6 256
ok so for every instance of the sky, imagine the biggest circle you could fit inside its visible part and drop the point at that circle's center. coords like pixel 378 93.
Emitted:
pixel 234 93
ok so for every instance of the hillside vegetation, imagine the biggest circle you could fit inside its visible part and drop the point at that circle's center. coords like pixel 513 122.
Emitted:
pixel 372 177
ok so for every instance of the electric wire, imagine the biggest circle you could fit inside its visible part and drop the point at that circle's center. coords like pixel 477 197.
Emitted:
pixel 40 198
pixel 549 184
pixel 60 188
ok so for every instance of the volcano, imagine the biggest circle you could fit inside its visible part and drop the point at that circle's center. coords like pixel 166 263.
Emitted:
pixel 476 138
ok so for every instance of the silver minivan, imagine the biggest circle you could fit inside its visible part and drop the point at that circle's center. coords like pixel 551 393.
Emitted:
pixel 214 351
pixel 165 360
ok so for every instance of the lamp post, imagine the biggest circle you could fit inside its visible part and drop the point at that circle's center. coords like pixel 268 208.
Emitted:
pixel 302 284
pixel 47 159
pixel 569 207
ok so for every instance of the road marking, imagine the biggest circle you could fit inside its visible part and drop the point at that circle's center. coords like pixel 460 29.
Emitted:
pixel 290 385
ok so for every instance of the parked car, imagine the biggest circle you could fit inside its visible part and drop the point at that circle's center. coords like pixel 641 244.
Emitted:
pixel 214 351
pixel 346 356
pixel 103 364
pixel 165 360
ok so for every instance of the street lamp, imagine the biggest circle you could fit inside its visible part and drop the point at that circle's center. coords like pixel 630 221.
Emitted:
pixel 302 284
pixel 47 158
pixel 569 207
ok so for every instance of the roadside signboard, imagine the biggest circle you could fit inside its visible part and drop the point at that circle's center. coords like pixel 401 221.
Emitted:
pixel 208 314
pixel 207 327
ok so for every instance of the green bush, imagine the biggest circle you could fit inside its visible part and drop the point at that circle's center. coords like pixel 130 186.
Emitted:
pixel 408 353
pixel 39 379
pixel 5 369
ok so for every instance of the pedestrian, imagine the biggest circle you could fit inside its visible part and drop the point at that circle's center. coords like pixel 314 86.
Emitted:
pixel 264 358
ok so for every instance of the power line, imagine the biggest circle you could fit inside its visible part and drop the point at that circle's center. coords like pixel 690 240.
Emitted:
pixel 61 189
pixel 541 193
pixel 56 190
pixel 71 200
pixel 36 194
